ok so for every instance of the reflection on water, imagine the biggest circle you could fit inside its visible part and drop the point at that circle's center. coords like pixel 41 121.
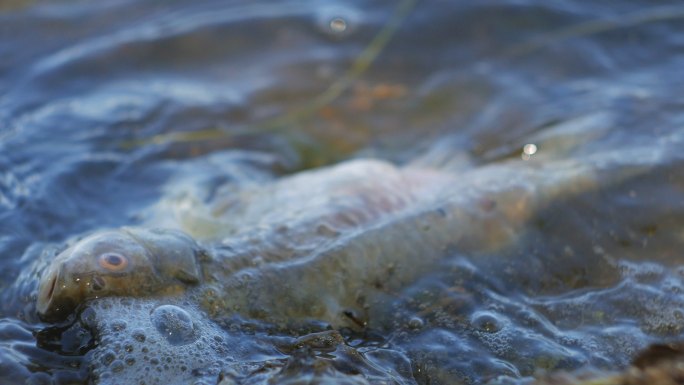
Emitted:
pixel 111 113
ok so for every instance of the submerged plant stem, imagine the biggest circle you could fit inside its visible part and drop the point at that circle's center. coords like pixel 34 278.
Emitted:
pixel 360 65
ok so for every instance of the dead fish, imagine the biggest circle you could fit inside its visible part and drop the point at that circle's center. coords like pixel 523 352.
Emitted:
pixel 343 278
pixel 282 220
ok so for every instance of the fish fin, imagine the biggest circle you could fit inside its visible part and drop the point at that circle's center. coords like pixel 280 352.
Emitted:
pixel 188 274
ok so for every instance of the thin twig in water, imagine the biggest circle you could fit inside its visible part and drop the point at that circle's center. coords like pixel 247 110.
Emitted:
pixel 360 65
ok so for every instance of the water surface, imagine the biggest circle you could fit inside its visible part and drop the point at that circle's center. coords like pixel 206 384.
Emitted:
pixel 107 108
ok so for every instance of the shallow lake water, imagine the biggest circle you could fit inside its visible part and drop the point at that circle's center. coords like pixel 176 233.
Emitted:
pixel 110 111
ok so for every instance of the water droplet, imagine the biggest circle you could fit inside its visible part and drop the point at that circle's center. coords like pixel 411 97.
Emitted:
pixel 529 150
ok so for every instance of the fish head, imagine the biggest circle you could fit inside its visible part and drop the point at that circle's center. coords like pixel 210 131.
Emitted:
pixel 132 262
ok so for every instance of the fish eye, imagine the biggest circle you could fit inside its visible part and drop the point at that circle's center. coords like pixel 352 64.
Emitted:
pixel 113 261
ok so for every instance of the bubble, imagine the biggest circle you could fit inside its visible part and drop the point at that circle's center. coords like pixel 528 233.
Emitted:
pixel 189 342
pixel 119 325
pixel 175 324
pixel 105 375
pixel 486 322
pixel 108 357
pixel 88 317
pixel 338 22
pixel 416 323
pixel 139 335
pixel 117 366
pixel 338 25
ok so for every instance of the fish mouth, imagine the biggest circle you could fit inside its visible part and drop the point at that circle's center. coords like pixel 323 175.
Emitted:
pixel 52 303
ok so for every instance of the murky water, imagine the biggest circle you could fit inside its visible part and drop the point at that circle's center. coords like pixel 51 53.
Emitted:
pixel 111 111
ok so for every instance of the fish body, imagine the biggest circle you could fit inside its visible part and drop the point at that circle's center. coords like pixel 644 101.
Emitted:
pixel 329 243
pixel 282 221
